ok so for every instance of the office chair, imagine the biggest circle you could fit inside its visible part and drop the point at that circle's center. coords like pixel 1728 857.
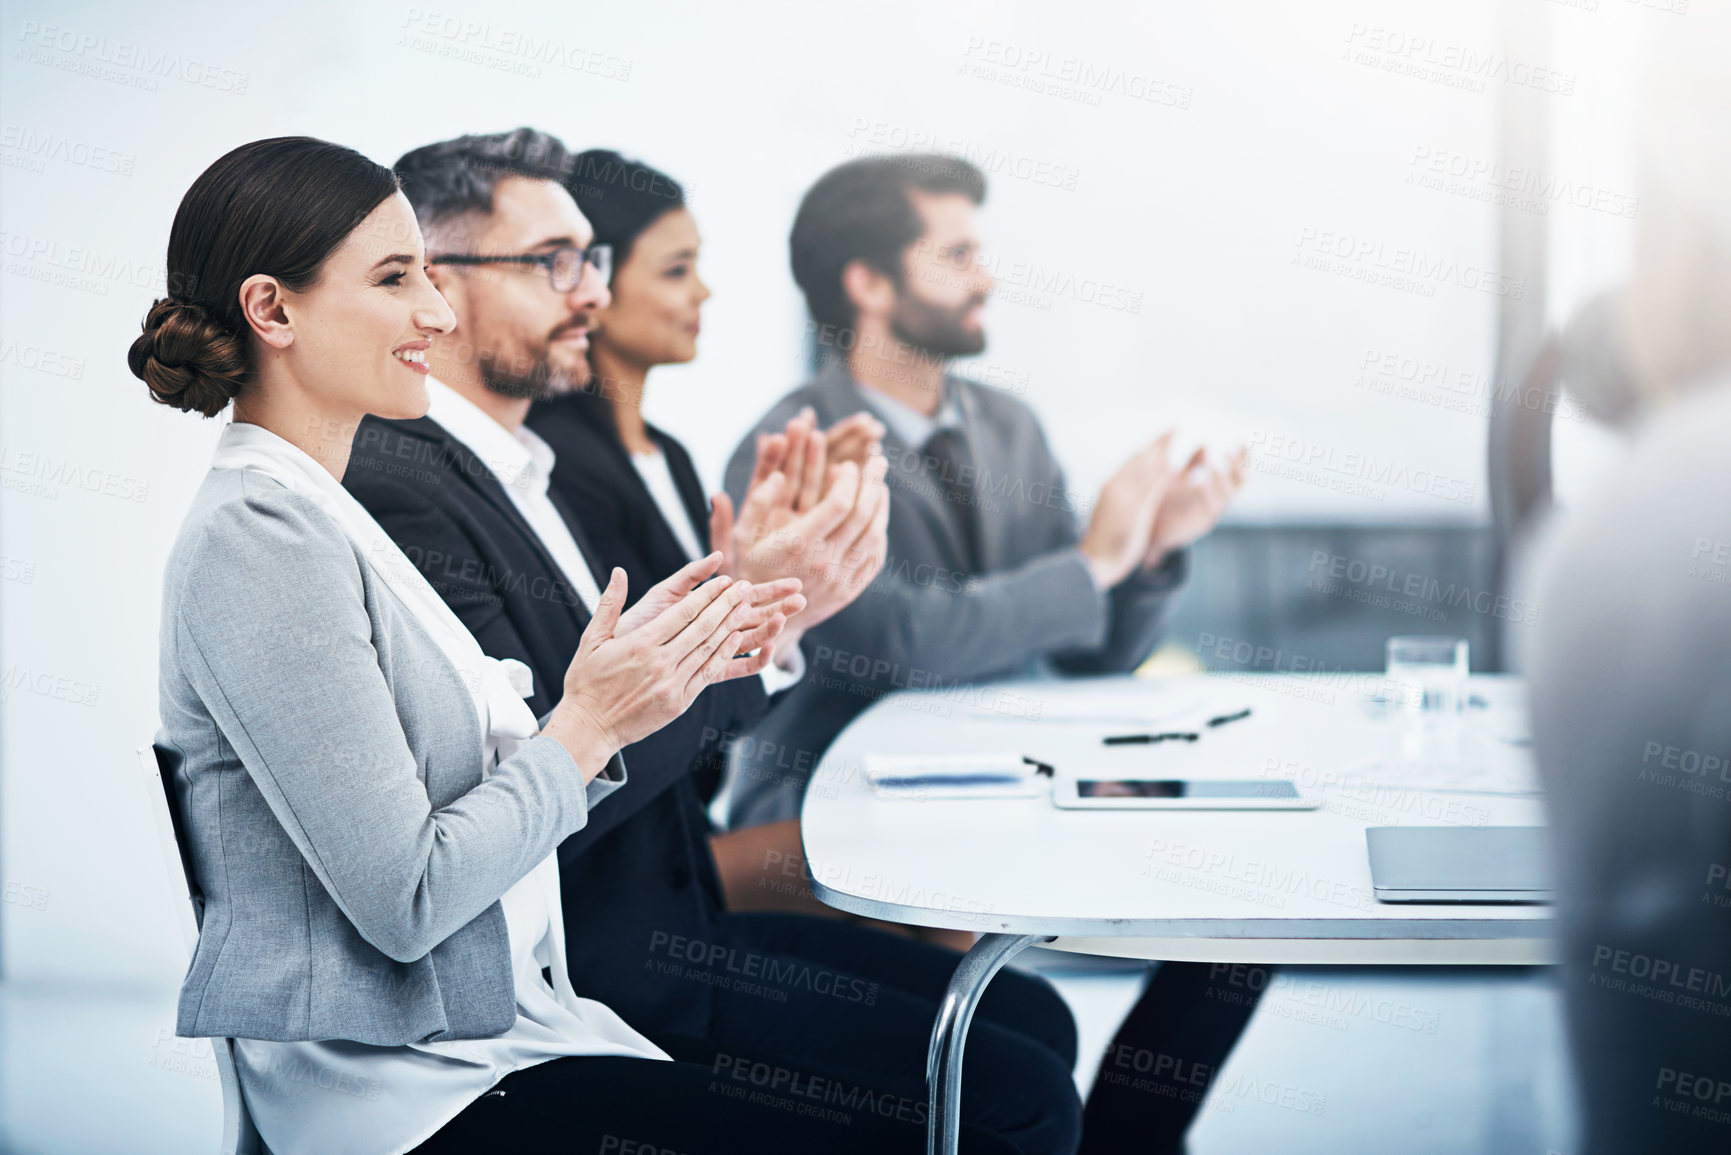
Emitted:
pixel 239 1136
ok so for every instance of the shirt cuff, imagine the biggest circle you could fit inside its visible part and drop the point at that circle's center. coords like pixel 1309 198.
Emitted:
pixel 1171 573
pixel 611 778
pixel 777 678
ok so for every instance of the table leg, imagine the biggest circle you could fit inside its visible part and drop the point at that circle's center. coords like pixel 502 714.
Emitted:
pixel 950 1032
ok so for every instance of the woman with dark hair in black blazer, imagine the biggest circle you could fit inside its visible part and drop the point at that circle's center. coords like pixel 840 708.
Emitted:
pixel 633 486
pixel 638 498
pixel 636 490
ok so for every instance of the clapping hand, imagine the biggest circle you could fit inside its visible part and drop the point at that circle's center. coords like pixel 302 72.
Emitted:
pixel 1122 524
pixel 777 596
pixel 1193 502
pixel 858 439
pixel 620 688
pixel 809 516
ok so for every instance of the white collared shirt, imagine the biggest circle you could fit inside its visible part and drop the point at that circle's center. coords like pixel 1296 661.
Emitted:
pixel 523 463
pixel 911 426
pixel 657 475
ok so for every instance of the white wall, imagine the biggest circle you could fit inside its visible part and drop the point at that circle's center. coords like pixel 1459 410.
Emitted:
pixel 1275 132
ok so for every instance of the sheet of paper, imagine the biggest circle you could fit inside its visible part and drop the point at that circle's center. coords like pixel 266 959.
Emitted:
pixel 989 774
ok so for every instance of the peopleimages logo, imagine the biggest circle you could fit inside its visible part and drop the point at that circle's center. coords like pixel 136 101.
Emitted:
pixel 1702 774
pixel 1341 575
pixel 1660 979
pixel 100 57
pixel 783 974
pixel 46 473
pixel 1049 282
pixel 508 49
pixel 1364 258
pixel 1309 460
pixel 818 1096
pixel 38 147
pixel 1705 1097
pixel 1456 65
pixel 1431 381
pixel 1514 186
pixel 870 137
pixel 1067 77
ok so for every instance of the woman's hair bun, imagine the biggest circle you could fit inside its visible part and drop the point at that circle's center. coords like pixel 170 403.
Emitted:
pixel 189 359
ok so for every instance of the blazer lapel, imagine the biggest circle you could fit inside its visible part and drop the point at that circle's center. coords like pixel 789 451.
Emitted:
pixel 690 487
pixel 481 481
pixel 600 573
pixel 659 546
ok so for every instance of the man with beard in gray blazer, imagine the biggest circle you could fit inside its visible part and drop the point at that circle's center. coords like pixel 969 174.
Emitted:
pixel 988 573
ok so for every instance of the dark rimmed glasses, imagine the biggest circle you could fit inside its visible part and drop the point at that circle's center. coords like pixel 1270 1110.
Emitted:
pixel 564 266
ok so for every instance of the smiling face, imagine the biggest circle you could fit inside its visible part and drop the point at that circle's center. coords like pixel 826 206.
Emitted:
pixel 526 340
pixel 657 296
pixel 361 332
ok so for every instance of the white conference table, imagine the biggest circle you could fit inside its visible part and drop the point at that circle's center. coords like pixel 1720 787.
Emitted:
pixel 1277 886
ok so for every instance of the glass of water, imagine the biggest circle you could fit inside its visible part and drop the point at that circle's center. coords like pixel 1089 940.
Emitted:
pixel 1428 676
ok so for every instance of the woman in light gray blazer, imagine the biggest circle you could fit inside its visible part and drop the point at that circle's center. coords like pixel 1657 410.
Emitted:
pixel 371 808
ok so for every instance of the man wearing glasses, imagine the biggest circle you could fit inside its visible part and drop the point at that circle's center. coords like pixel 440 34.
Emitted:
pixel 464 492
pixel 563 266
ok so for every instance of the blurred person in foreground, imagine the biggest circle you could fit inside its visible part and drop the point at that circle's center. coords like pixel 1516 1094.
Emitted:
pixel 1630 665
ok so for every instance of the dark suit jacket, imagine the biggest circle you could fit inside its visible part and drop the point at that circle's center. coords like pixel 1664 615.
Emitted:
pixel 594 477
pixel 642 869
pixel 593 474
pixel 925 622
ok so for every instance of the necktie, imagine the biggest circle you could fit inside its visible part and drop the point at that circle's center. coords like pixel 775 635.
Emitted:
pixel 947 462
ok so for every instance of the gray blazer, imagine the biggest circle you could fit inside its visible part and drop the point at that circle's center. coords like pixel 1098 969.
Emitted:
pixel 925 624
pixel 350 855
pixel 1629 674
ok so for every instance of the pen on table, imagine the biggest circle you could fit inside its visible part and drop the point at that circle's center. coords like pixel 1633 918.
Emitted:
pixel 1040 767
pixel 1172 735
pixel 1148 739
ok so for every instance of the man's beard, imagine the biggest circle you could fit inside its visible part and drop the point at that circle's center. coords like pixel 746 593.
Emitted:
pixel 935 330
pixel 532 377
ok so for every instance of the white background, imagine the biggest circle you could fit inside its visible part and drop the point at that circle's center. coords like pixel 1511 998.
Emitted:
pixel 1194 213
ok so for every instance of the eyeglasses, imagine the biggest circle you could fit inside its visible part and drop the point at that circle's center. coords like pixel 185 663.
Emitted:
pixel 564 266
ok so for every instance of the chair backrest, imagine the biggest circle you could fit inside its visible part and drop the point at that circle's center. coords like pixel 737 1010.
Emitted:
pixel 161 786
pixel 159 766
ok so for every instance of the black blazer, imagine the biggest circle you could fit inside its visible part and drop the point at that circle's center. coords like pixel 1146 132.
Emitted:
pixel 642 867
pixel 595 477
pixel 593 474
